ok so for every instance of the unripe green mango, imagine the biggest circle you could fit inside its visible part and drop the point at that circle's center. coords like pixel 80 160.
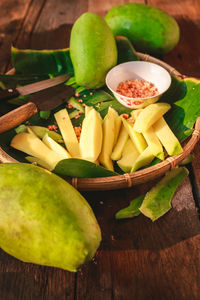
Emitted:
pixel 93 50
pixel 44 220
pixel 150 29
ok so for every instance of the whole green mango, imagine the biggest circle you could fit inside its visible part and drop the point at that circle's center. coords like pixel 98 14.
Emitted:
pixel 93 50
pixel 150 29
pixel 44 220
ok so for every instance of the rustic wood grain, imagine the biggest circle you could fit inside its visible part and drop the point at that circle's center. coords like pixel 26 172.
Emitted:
pixel 53 29
pixel 137 259
pixel 12 14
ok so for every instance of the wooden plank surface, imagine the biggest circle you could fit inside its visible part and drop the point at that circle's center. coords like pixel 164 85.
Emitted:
pixel 137 259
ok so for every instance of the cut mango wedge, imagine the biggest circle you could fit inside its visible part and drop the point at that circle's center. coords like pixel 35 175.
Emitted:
pixel 150 115
pixel 129 156
pixel 68 133
pixel 135 136
pixel 167 137
pixel 91 136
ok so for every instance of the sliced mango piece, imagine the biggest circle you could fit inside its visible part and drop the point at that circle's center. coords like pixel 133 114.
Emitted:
pixel 135 113
pixel 39 162
pixel 129 156
pixel 108 140
pixel 68 133
pixel 32 145
pixel 123 137
pixel 91 136
pixel 150 115
pixel 55 147
pixel 144 159
pixel 118 122
pixel 154 143
pixel 136 137
pixel 40 131
pixel 167 137
pixel 87 109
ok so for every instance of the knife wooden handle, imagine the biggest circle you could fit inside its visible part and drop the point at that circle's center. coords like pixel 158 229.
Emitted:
pixel 17 116
pixel 9 94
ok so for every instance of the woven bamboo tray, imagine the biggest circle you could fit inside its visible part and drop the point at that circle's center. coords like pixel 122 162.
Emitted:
pixel 129 179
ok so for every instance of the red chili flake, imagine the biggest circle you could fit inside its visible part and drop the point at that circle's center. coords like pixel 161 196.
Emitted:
pixel 77 94
pixel 80 100
pixel 91 93
pixel 125 116
pixel 53 127
pixel 137 89
pixel 77 131
pixel 69 105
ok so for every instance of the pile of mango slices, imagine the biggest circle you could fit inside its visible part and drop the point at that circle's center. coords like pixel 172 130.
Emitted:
pixel 132 141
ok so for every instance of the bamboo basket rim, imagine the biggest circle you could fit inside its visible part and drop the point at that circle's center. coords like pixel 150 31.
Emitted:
pixel 128 180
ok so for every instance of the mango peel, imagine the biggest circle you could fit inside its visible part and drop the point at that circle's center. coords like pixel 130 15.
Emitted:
pixel 44 220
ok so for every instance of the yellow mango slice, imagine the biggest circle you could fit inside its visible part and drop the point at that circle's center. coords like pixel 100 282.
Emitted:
pixel 154 143
pixel 53 145
pixel 39 162
pixel 135 113
pixel 136 137
pixel 32 145
pixel 144 159
pixel 129 156
pixel 118 122
pixel 108 140
pixel 91 136
pixel 68 133
pixel 87 109
pixel 150 115
pixel 167 137
pixel 123 137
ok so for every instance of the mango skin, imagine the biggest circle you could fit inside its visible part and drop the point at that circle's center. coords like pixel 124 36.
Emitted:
pixel 93 50
pixel 150 29
pixel 44 220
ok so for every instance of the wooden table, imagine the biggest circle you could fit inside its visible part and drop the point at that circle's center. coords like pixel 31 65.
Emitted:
pixel 137 259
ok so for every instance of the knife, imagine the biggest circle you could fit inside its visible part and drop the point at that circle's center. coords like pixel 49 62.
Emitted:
pixel 47 99
pixel 33 87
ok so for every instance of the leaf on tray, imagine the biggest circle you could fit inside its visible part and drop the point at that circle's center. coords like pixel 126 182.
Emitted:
pixel 74 167
pixel 53 62
pixel 185 106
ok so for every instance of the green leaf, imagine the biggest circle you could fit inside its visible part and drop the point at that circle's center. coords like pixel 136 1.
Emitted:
pixel 92 97
pixel 81 168
pixel 53 62
pixel 184 97
pixel 125 50
pixel 132 210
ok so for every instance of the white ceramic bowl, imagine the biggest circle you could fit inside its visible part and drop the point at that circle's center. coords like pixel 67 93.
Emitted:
pixel 141 70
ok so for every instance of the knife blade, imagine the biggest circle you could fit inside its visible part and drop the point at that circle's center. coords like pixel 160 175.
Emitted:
pixel 47 99
pixel 33 87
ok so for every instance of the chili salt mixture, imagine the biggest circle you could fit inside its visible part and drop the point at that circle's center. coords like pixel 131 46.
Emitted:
pixel 137 89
